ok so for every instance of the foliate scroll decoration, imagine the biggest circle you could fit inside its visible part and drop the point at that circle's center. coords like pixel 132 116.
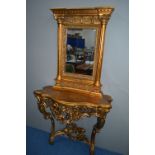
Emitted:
pixel 43 105
pixel 68 114
pixel 74 132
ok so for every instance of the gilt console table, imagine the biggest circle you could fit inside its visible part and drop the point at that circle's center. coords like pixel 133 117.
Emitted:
pixel 76 95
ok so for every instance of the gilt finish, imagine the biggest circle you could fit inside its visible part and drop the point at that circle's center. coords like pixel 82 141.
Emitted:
pixel 81 18
pixel 68 107
pixel 76 96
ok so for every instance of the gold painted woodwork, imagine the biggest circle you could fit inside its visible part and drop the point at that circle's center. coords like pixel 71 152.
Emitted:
pixel 76 96
pixel 81 18
pixel 67 107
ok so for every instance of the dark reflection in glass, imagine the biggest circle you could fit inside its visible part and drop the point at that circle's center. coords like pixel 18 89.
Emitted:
pixel 80 51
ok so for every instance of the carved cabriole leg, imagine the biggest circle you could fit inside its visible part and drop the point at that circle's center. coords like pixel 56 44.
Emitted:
pixel 68 115
pixel 96 129
pixel 42 105
pixel 52 135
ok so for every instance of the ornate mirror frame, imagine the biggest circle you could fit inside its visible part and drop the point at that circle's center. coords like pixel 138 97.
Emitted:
pixel 96 18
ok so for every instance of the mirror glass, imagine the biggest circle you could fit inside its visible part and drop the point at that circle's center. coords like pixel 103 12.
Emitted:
pixel 80 49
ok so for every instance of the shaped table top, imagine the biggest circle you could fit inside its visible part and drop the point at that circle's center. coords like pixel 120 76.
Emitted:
pixel 73 98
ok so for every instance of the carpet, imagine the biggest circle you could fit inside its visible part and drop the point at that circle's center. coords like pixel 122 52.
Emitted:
pixel 37 144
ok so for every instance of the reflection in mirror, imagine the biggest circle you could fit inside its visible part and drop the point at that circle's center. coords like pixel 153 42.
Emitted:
pixel 80 51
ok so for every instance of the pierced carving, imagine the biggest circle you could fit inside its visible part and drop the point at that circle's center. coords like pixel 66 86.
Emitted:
pixel 74 132
pixel 42 105
pixel 68 114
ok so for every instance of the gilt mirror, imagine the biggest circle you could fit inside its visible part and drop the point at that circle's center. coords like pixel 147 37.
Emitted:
pixel 81 36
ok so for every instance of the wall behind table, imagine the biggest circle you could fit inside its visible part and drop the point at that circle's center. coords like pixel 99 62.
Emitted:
pixel 42 66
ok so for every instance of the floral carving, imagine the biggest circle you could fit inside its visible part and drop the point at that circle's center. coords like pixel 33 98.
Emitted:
pixel 68 114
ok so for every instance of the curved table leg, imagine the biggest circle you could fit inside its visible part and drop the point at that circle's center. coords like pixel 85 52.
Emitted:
pixel 42 105
pixel 52 134
pixel 45 102
pixel 96 128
